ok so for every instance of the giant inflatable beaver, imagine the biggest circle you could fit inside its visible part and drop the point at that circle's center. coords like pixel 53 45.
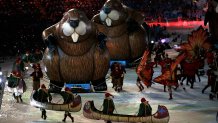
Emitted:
pixel 73 54
pixel 122 26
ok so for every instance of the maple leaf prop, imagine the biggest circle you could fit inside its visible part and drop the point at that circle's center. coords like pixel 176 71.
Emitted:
pixel 139 69
pixel 197 40
pixel 143 60
pixel 162 79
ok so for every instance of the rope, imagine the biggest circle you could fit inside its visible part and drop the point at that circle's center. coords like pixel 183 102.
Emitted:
pixel 52 84
pixel 107 78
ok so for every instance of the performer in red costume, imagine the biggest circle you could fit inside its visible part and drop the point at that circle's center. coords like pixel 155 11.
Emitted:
pixel 168 78
pixel 164 63
pixel 145 69
pixel 190 68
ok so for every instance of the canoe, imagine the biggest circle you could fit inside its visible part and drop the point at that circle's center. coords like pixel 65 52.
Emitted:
pixel 74 106
pixel 161 116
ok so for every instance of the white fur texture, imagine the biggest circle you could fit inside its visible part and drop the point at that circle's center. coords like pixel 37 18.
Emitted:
pixel 74 32
pixel 113 15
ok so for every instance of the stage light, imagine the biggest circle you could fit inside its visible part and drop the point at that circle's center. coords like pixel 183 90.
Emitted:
pixel 152 42
pixel 163 40
pixel 1 73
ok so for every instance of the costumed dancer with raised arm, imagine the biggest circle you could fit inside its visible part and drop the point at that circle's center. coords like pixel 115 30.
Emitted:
pixel 145 69
pixel 168 78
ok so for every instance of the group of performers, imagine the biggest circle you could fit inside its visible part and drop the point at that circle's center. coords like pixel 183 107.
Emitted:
pixel 175 71
pixel 109 106
pixel 43 95
pixel 16 83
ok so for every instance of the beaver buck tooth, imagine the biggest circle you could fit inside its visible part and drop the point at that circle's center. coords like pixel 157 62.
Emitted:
pixel 108 22
pixel 75 37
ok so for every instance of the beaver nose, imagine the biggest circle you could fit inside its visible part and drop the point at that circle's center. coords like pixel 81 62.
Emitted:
pixel 107 10
pixel 74 23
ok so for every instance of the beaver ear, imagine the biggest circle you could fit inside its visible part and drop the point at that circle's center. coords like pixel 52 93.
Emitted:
pixel 65 16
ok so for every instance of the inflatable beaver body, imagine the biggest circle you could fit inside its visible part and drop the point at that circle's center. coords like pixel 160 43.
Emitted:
pixel 73 54
pixel 122 26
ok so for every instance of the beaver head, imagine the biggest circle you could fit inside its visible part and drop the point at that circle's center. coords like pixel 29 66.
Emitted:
pixel 113 13
pixel 75 27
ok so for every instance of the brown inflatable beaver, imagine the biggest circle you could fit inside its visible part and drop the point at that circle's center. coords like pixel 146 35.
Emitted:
pixel 73 54
pixel 122 26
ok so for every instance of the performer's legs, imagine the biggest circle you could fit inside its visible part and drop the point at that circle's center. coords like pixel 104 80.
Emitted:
pixel 170 92
pixel 65 116
pixel 192 80
pixel 205 88
pixel 164 88
pixel 72 119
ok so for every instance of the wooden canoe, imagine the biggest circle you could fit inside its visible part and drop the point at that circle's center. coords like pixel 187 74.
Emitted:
pixel 90 112
pixel 74 106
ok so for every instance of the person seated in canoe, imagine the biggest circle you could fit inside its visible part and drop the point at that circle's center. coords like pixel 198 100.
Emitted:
pixel 144 108
pixel 43 96
pixel 68 98
pixel 108 105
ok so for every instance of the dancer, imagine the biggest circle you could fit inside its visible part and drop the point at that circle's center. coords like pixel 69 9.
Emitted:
pixel 68 98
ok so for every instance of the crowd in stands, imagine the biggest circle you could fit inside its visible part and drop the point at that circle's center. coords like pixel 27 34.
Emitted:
pixel 23 21
pixel 164 10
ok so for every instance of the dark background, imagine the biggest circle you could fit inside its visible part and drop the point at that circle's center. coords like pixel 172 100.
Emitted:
pixel 22 21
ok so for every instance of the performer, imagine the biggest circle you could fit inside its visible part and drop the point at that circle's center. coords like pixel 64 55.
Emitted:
pixel 138 83
pixel 44 96
pixel 171 81
pixel 158 54
pixel 37 65
pixel 16 85
pixel 145 69
pixel 19 66
pixel 168 78
pixel 214 86
pixel 166 62
pixel 27 57
pixel 211 77
pixel 179 75
pixel 19 90
pixel 37 55
pixel 123 70
pixel 108 105
pixel 146 72
pixel 68 98
pixel 37 74
pixel 210 57
pixel 190 67
pixel 144 108
pixel 117 76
